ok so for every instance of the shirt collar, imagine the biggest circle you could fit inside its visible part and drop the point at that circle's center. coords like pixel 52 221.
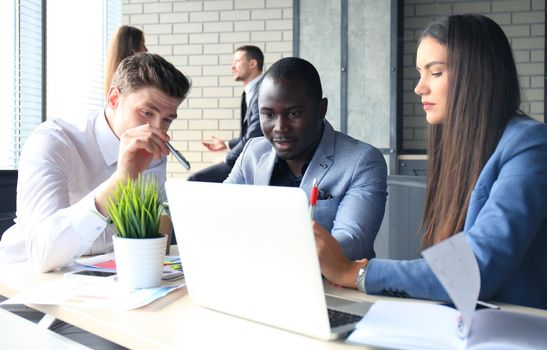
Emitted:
pixel 107 141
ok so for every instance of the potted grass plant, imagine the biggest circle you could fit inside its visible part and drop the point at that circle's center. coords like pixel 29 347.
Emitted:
pixel 139 247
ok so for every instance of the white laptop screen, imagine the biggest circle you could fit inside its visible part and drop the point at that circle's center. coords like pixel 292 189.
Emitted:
pixel 249 251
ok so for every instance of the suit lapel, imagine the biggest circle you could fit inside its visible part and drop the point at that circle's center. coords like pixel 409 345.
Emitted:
pixel 322 159
pixel 264 168
pixel 320 164
pixel 245 120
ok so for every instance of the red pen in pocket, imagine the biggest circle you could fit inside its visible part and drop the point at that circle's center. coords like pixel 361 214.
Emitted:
pixel 313 197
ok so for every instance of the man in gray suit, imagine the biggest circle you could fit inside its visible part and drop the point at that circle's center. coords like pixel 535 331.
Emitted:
pixel 247 68
pixel 300 146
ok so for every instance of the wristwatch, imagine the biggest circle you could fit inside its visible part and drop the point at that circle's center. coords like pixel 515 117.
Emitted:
pixel 360 279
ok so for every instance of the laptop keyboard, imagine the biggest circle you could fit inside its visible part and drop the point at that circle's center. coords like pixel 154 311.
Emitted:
pixel 340 318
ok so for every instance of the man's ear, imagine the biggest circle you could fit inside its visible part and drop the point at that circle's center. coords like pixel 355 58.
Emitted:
pixel 323 104
pixel 113 97
pixel 253 64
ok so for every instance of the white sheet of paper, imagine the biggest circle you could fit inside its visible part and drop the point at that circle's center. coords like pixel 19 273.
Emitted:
pixel 454 264
pixel 408 325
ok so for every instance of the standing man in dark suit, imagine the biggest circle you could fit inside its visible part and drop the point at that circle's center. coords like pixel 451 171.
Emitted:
pixel 247 68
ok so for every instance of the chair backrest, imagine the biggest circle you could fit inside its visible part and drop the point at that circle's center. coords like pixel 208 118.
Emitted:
pixel 8 193
pixel 398 237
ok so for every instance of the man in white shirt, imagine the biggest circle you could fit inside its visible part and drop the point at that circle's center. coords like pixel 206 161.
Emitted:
pixel 247 68
pixel 69 167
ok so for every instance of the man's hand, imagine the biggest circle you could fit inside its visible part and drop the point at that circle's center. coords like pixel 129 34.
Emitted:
pixel 215 145
pixel 138 147
pixel 334 265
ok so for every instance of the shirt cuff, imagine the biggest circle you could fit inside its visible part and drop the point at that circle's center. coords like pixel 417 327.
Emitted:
pixel 86 219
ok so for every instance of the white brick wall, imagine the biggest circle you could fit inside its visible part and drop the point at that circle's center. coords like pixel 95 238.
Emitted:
pixel 199 37
pixel 523 21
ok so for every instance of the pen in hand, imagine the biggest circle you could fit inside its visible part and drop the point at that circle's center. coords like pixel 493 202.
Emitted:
pixel 313 197
pixel 179 156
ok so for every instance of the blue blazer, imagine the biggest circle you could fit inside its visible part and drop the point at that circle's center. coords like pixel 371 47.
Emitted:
pixel 351 178
pixel 506 225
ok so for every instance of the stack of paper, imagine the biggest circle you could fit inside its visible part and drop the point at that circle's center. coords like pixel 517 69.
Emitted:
pixel 413 325
pixel 172 269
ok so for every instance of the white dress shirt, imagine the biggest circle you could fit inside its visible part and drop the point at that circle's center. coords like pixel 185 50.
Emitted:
pixel 250 89
pixel 62 164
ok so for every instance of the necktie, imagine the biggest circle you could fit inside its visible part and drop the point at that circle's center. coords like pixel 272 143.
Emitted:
pixel 243 106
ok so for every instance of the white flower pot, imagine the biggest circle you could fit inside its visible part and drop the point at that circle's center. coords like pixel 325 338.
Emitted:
pixel 139 261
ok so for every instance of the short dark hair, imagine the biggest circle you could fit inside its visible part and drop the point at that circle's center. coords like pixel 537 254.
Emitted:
pixel 294 68
pixel 146 69
pixel 253 53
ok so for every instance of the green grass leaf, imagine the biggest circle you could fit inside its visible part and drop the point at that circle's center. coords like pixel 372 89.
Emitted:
pixel 135 208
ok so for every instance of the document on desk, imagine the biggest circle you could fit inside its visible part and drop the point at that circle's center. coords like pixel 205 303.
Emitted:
pixel 417 325
pixel 411 325
pixel 92 293
pixel 172 268
pixel 456 267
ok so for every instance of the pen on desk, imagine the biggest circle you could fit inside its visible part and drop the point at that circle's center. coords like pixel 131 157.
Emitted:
pixel 179 156
pixel 313 197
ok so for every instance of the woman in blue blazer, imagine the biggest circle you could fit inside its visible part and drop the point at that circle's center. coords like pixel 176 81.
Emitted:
pixel 487 173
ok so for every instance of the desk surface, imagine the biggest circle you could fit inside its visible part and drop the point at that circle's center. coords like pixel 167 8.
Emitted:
pixel 174 322
pixel 169 323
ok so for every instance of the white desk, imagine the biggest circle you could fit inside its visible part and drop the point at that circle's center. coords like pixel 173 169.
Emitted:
pixel 173 322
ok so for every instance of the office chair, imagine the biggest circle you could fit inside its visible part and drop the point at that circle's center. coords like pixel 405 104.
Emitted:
pixel 8 193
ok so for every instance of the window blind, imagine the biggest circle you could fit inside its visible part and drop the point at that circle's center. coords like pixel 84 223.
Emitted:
pixel 22 90
pixel 78 32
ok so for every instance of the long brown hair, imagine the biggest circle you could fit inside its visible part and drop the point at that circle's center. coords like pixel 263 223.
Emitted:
pixel 483 94
pixel 126 42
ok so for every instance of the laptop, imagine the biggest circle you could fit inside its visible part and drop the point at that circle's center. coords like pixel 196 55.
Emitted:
pixel 249 251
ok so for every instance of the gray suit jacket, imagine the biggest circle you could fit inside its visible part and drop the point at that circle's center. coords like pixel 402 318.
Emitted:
pixel 250 127
pixel 351 178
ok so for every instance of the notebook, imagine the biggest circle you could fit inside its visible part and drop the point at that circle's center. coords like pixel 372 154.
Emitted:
pixel 249 251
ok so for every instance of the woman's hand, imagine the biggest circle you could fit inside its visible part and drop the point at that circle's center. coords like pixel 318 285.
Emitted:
pixel 334 265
